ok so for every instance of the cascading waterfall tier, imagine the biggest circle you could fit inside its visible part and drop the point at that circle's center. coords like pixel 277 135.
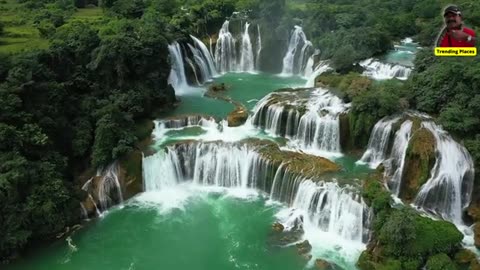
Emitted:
pixel 447 191
pixel 246 60
pixel 206 56
pixel 233 57
pixel 177 77
pixel 308 117
pixel 104 190
pixel 396 162
pixel 332 208
pixel 321 67
pixel 259 48
pixel 194 57
pixel 225 50
pixel 298 52
pixel 378 143
pixel 384 71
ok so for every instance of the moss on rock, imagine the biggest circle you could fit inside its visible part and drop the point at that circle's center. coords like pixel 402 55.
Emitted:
pixel 237 117
pixel 419 161
pixel 131 176
pixel 440 262
pixel 464 257
pixel 309 166
pixel 405 236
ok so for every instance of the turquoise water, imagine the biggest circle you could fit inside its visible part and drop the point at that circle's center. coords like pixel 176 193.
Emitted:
pixel 205 231
pixel 403 54
pixel 184 230
pixel 246 88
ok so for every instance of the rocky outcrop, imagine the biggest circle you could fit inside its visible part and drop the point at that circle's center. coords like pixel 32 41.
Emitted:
pixel 309 166
pixel 303 247
pixel 321 264
pixel 237 117
pixel 114 184
pixel 419 162
pixel 466 258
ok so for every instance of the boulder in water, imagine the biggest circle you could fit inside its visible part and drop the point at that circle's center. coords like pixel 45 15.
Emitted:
pixel 238 117
pixel 323 265
pixel 277 227
pixel 304 247
pixel 217 87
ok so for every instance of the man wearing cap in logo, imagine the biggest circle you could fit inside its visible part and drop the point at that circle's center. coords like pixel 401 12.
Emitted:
pixel 455 34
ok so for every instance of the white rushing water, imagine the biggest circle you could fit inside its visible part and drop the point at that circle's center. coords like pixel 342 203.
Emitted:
pixel 314 129
pixel 225 50
pixel 395 166
pixel 177 76
pixel 259 48
pixel 202 66
pixel 109 189
pixel 229 58
pixel 246 61
pixel 207 55
pixel 321 68
pixel 378 143
pixel 448 191
pixel 326 207
pixel 299 49
pixel 384 71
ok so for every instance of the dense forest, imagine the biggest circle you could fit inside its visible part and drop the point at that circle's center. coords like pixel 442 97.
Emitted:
pixel 74 95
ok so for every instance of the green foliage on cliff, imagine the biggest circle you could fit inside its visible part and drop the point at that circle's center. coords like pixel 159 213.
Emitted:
pixel 449 87
pixel 405 240
pixel 440 262
pixel 371 101
pixel 72 104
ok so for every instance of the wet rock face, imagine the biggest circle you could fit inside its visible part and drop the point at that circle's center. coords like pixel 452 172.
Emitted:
pixel 279 237
pixel 277 227
pixel 476 230
pixel 418 163
pixel 304 247
pixel 321 264
pixel 238 117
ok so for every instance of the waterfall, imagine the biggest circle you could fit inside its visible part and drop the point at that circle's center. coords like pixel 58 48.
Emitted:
pixel 301 60
pixel 177 76
pixel 448 190
pixel 200 63
pixel 259 47
pixel 213 164
pixel 298 41
pixel 194 70
pixel 327 206
pixel 394 167
pixel 207 55
pixel 246 60
pixel 321 68
pixel 225 51
pixel 211 47
pixel 108 184
pixel 333 209
pixel 310 118
pixel 378 143
pixel 384 71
